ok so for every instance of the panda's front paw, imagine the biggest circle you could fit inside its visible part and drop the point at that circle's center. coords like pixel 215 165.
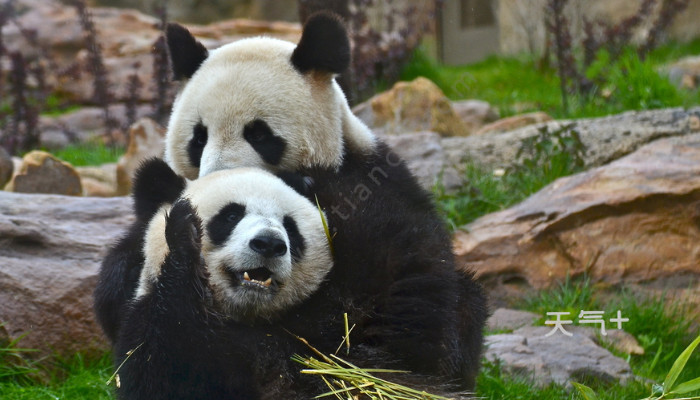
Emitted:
pixel 183 230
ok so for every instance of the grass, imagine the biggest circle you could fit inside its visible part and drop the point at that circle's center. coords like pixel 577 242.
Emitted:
pixel 74 379
pixel 520 84
pixel 86 154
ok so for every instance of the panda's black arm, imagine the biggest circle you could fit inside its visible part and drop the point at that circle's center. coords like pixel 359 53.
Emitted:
pixel 178 347
pixel 117 280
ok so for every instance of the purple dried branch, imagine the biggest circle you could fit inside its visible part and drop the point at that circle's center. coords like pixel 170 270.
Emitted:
pixel 557 26
pixel 161 68
pixel 101 86
pixel 134 87
pixel 669 10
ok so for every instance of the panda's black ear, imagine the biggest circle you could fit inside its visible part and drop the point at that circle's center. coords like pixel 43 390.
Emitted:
pixel 324 45
pixel 186 53
pixel 155 184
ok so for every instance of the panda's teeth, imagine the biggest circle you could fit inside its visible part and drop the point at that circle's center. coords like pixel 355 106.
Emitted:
pixel 246 276
pixel 268 282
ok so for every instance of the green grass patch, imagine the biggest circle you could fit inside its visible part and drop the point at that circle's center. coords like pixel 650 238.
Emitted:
pixel 86 154
pixel 76 379
pixel 524 83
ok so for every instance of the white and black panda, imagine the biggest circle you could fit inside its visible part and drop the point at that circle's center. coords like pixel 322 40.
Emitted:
pixel 270 104
pixel 228 267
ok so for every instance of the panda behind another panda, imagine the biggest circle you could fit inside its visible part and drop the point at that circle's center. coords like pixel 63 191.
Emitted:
pixel 267 103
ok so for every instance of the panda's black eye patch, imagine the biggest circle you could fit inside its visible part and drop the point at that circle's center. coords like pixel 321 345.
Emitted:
pixel 297 244
pixel 195 147
pixel 270 147
pixel 224 222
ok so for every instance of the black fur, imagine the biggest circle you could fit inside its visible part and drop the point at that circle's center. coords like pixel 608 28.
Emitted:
pixel 186 53
pixel 394 274
pixel 155 183
pixel 296 239
pixel 224 222
pixel 195 147
pixel 324 45
pixel 260 136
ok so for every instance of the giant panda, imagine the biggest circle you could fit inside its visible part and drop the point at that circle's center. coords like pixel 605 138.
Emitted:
pixel 272 105
pixel 275 105
pixel 232 267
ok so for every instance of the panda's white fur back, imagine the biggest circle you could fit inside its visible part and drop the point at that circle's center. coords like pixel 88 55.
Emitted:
pixel 255 79
pixel 267 200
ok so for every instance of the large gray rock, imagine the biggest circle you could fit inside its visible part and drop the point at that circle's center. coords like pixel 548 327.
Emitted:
pixel 425 158
pixel 50 250
pixel 605 139
pixel 557 358
pixel 634 220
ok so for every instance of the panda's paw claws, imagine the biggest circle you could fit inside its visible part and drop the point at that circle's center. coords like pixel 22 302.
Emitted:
pixel 183 230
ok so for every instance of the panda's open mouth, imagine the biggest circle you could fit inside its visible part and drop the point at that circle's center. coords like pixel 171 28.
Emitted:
pixel 258 278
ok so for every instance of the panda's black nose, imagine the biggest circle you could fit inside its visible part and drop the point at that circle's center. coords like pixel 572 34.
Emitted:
pixel 268 246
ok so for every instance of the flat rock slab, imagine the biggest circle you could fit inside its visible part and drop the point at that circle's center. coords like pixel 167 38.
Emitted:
pixel 51 247
pixel 633 220
pixel 557 358
pixel 606 139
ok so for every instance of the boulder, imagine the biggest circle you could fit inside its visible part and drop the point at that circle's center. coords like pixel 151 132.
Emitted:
pixel 83 125
pixel 51 247
pixel 475 113
pixel 425 158
pixel 513 123
pixel 505 319
pixel 125 36
pixel 146 140
pixel 413 106
pixel 99 181
pixel 43 173
pixel 557 358
pixel 632 221
pixel 606 139
pixel 7 167
pixel 684 73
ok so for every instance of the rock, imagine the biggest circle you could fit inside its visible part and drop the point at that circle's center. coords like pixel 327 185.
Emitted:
pixel 616 338
pixel 557 358
pixel 99 181
pixel 513 123
pixel 126 37
pixel 50 250
pixel 425 158
pixel 475 113
pixel 685 73
pixel 413 106
pixel 7 167
pixel 83 125
pixel 605 139
pixel 507 319
pixel 633 221
pixel 146 139
pixel 43 173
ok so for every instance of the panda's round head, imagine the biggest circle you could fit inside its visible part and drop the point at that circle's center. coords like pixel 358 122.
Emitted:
pixel 262 102
pixel 263 244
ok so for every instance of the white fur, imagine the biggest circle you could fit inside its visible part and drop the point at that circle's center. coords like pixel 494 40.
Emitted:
pixel 255 79
pixel 267 201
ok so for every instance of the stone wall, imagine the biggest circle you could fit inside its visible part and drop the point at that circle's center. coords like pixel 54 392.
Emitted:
pixel 522 28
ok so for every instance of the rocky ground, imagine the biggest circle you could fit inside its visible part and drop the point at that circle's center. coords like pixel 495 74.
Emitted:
pixel 632 218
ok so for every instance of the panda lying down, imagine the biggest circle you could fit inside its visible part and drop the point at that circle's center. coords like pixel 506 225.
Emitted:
pixel 235 268
pixel 238 250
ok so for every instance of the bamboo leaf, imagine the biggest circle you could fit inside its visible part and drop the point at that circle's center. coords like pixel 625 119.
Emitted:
pixel 687 386
pixel 585 391
pixel 678 366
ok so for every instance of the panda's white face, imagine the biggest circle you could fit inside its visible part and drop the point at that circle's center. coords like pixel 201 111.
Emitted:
pixel 248 104
pixel 263 243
